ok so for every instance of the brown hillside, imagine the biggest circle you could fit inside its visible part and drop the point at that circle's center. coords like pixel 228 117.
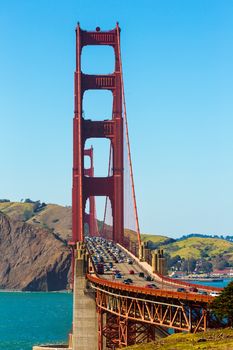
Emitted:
pixel 31 257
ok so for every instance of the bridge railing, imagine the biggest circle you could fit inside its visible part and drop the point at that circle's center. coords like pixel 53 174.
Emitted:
pixel 163 293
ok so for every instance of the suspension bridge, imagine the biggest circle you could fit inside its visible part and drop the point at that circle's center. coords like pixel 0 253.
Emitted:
pixel 109 313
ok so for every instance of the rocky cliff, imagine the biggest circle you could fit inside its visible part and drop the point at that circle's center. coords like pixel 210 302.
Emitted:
pixel 33 256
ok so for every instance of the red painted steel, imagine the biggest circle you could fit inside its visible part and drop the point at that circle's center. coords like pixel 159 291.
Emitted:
pixel 158 311
pixel 90 218
pixel 155 292
pixel 83 186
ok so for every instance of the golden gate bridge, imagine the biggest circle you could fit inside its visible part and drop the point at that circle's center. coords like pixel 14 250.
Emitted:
pixel 107 313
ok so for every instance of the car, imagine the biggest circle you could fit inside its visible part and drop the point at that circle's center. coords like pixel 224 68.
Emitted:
pixel 129 280
pixel 154 286
pixel 193 289
pixel 100 268
pixel 183 290
pixel 148 278
pixel 214 294
pixel 149 286
pixel 131 272
pixel 118 275
pixel 141 274
pixel 126 282
pixel 203 292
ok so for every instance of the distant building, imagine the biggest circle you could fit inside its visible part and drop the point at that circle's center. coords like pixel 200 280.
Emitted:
pixel 225 272
pixel 178 274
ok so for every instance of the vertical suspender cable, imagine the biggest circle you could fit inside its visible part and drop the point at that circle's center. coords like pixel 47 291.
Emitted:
pixel 127 141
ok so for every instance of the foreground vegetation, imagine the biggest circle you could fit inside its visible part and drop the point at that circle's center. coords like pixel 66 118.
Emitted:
pixel 221 339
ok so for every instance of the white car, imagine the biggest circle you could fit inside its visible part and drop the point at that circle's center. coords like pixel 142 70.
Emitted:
pixel 214 294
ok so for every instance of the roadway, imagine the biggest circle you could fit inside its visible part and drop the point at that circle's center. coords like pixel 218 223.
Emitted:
pixel 119 265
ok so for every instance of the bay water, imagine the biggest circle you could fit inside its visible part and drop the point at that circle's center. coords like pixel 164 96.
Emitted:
pixel 27 319
pixel 219 284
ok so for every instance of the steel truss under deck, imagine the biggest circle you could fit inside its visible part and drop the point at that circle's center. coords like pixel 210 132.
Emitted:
pixel 125 319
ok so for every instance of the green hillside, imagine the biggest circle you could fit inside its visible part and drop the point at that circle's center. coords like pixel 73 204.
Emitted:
pixel 194 246
pixel 17 210
pixel 51 216
pixel 221 339
pixel 153 238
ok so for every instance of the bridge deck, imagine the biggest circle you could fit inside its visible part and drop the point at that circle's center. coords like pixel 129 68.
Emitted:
pixel 163 286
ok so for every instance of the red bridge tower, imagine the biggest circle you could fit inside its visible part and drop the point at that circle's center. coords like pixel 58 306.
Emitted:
pixel 85 187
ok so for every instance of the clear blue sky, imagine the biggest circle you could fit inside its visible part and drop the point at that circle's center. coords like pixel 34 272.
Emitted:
pixel 178 72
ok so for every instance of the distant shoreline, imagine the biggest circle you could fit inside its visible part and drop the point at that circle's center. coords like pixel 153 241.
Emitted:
pixel 205 279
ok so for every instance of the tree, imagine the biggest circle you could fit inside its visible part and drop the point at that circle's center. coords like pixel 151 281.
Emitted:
pixel 221 264
pixel 222 306
pixel 206 266
pixel 172 262
pixel 189 265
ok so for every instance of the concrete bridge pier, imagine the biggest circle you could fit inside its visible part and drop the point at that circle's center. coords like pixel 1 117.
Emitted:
pixel 85 324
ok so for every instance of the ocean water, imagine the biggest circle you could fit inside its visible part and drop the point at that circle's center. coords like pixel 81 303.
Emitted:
pixel 27 319
pixel 218 284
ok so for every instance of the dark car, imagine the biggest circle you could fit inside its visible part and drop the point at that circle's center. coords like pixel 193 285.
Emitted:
pixel 203 292
pixel 126 282
pixel 183 290
pixel 148 278
pixel 141 274
pixel 100 269
pixel 193 289
pixel 129 280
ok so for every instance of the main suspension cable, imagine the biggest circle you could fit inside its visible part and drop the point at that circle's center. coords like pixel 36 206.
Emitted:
pixel 127 140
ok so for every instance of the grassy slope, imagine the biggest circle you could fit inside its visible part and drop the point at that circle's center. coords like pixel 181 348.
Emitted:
pixel 145 237
pixel 52 216
pixel 192 247
pixel 16 210
pixel 153 238
pixel 221 339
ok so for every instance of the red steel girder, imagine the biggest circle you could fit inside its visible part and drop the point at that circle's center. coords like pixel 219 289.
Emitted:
pixel 189 317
